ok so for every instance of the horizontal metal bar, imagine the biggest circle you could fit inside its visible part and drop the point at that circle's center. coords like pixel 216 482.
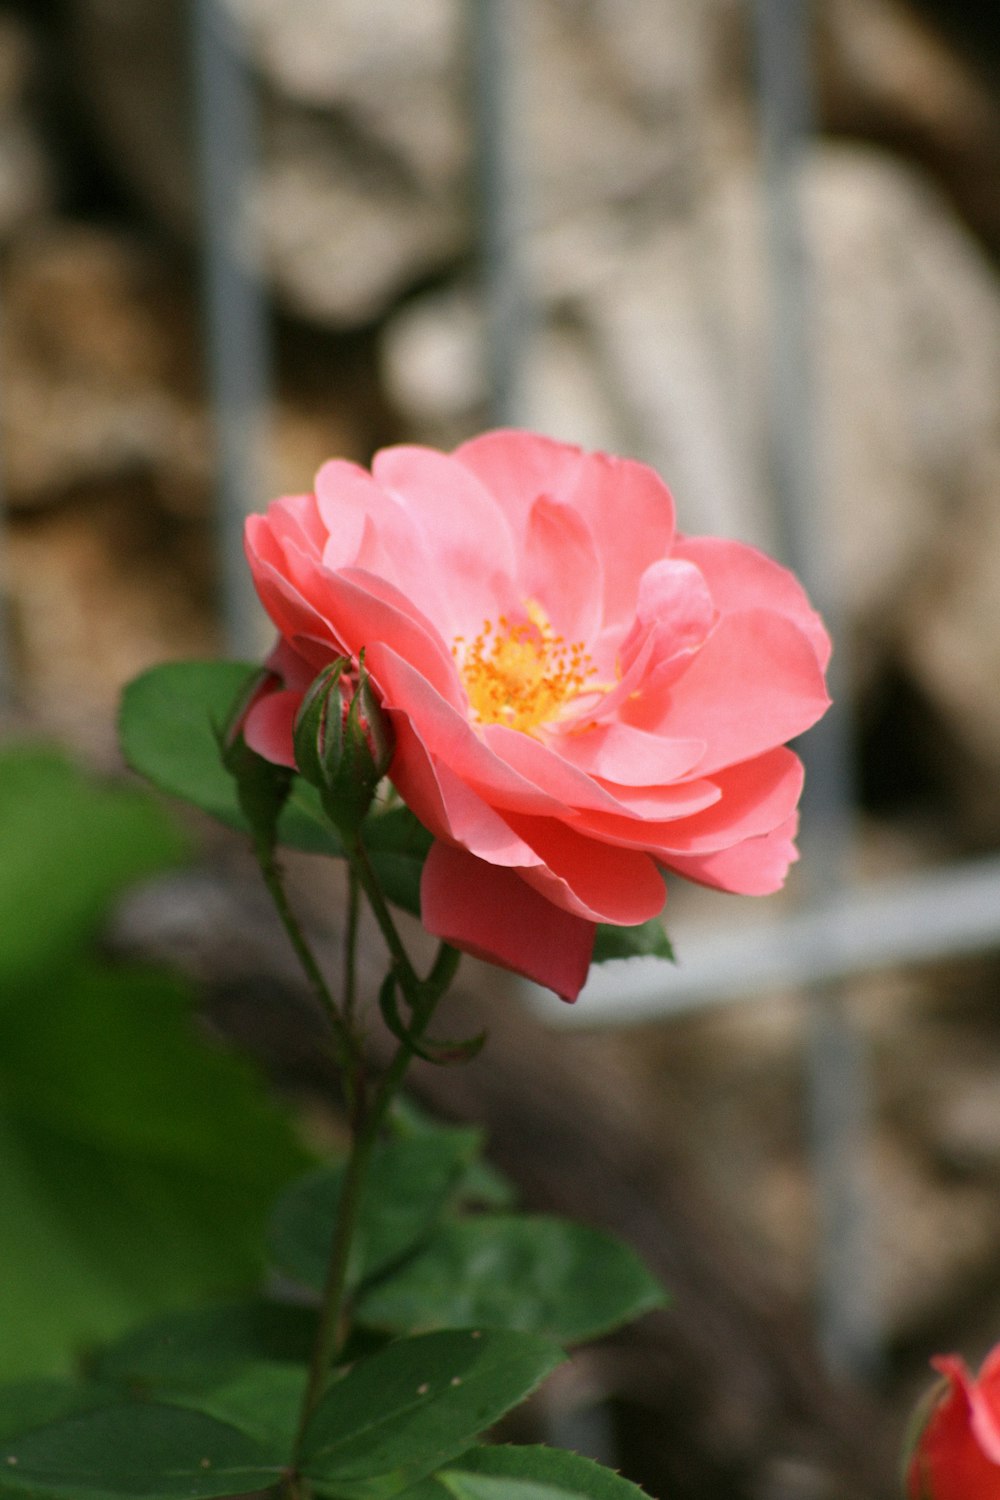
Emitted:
pixel 937 914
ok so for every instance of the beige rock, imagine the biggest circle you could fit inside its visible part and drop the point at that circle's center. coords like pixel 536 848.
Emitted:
pixel 26 185
pixel 94 597
pixel 363 185
pixel 665 338
pixel 888 76
pixel 100 370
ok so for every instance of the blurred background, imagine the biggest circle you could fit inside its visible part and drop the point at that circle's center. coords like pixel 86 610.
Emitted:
pixel 753 244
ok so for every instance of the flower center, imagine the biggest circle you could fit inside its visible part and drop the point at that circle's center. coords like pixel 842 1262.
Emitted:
pixel 522 674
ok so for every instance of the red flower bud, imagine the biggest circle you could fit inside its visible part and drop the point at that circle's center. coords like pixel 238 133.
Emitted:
pixel 957 1453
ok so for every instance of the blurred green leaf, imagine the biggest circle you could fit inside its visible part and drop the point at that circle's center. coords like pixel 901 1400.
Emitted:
pixel 38 1403
pixel 177 1348
pixel 401 1414
pixel 68 845
pixel 136 1162
pixel 482 1185
pixel 528 1272
pixel 397 845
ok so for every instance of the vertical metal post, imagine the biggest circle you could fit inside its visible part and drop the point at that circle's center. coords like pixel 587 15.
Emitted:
pixel 235 310
pixel 838 1085
pixel 501 206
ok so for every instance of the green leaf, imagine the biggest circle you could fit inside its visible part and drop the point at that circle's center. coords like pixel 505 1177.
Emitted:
pixel 407 1410
pixel 487 1487
pixel 397 845
pixel 38 1403
pixel 168 721
pixel 514 1271
pixel 176 1349
pixel 647 940
pixel 409 1185
pixel 482 1185
pixel 68 846
pixel 168 724
pixel 242 1363
pixel 565 1473
pixel 262 1400
pixel 136 1162
pixel 531 1473
pixel 145 1451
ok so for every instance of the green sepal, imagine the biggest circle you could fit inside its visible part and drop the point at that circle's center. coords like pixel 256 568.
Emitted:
pixel 343 747
pixel 318 734
pixel 262 788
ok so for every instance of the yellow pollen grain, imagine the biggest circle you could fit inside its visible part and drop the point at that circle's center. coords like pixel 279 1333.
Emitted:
pixel 521 674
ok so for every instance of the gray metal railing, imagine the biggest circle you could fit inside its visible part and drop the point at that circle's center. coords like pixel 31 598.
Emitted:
pixel 237 337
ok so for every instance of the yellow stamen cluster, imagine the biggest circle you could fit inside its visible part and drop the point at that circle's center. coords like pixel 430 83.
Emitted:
pixel 521 674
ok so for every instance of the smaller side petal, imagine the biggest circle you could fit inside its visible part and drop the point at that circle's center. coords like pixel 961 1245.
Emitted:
pixel 755 867
pixel 488 911
pixel 741 577
pixel 268 726
pixel 602 882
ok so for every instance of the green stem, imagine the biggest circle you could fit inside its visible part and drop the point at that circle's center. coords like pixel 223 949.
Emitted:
pixel 345 1046
pixel 350 947
pixel 330 1333
pixel 361 865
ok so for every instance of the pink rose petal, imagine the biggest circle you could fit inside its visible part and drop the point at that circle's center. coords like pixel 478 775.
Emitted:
pixel 579 696
pixel 489 912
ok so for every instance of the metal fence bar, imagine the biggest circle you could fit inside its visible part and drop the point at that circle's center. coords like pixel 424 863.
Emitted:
pixel 235 312
pixel 500 188
pixel 838 1091
pixel 915 919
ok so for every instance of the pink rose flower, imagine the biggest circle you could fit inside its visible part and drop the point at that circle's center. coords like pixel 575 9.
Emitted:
pixel 957 1455
pixel 581 697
